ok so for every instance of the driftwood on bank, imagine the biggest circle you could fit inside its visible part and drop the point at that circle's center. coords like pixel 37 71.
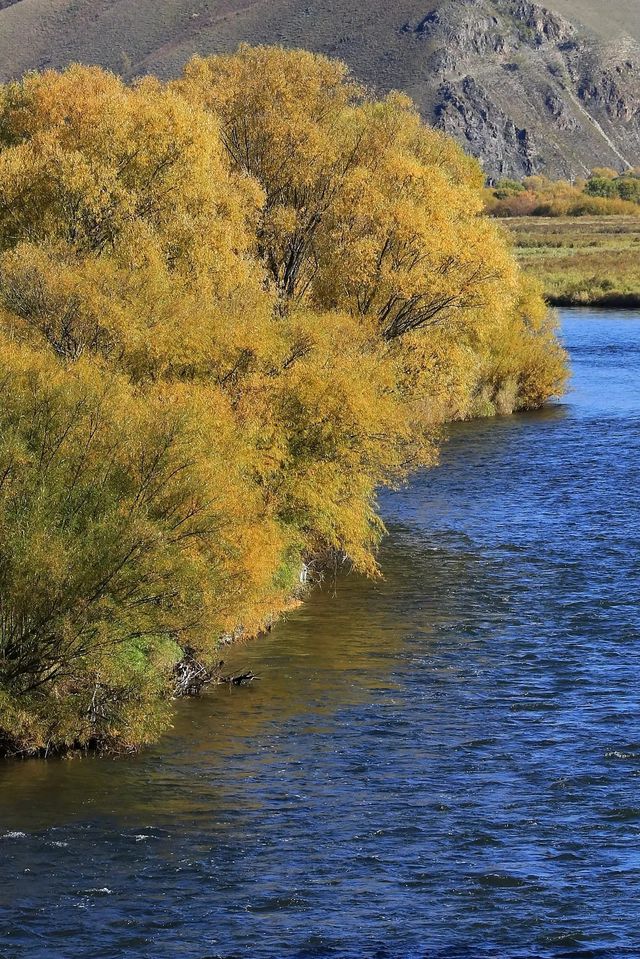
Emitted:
pixel 191 676
pixel 240 679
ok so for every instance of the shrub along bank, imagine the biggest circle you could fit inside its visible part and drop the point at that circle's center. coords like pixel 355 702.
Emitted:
pixel 232 307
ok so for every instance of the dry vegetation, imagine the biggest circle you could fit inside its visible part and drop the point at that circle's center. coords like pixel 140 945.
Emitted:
pixel 387 47
pixel 582 260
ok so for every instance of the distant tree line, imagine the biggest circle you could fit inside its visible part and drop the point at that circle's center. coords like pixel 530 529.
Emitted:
pixel 604 193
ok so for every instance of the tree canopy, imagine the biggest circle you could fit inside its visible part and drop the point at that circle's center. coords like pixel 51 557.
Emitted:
pixel 232 307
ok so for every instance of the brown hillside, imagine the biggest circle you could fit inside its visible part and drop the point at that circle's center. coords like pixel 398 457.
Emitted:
pixel 524 87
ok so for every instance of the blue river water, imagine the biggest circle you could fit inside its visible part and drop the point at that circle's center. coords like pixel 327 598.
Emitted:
pixel 443 764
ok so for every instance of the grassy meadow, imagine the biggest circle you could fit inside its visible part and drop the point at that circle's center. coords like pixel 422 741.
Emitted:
pixel 582 260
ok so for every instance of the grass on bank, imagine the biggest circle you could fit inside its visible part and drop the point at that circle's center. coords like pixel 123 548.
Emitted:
pixel 590 261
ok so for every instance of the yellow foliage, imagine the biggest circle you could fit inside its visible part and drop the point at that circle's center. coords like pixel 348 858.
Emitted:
pixel 232 307
pixel 123 230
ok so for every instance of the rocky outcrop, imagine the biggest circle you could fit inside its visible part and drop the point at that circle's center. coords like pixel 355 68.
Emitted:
pixel 609 88
pixel 526 91
pixel 466 112
pixel 559 113
pixel 470 29
pixel 544 26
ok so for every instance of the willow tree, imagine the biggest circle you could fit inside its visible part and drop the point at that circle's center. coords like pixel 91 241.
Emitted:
pixel 122 231
pixel 232 308
pixel 133 528
pixel 370 211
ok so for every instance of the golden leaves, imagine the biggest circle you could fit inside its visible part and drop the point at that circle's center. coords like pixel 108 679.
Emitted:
pixel 232 308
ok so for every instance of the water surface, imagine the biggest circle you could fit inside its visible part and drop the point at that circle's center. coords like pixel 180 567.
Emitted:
pixel 442 764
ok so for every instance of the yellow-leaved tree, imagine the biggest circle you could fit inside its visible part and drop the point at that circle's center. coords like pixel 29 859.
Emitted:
pixel 232 307
pixel 370 212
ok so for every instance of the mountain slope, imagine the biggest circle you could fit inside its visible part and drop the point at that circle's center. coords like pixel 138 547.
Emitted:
pixel 603 19
pixel 526 88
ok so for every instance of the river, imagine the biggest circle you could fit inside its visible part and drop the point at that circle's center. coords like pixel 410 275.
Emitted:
pixel 444 763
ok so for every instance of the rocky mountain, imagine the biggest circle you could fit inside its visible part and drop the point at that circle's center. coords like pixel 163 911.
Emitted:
pixel 527 91
pixel 525 87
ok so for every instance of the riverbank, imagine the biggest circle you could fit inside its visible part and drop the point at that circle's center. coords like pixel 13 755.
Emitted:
pixel 581 261
pixel 210 377
pixel 450 753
